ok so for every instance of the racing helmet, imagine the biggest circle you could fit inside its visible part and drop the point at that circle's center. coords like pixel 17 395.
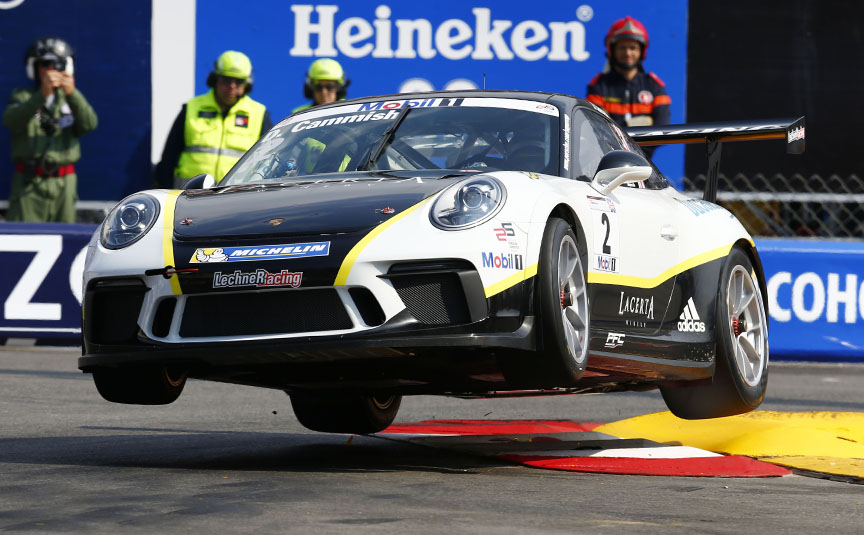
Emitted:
pixel 232 64
pixel 626 28
pixel 325 69
pixel 51 49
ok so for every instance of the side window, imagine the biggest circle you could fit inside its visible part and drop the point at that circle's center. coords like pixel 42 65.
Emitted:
pixel 592 138
pixel 600 135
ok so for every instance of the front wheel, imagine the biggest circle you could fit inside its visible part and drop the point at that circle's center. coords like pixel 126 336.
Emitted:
pixel 561 303
pixel 741 366
pixel 359 414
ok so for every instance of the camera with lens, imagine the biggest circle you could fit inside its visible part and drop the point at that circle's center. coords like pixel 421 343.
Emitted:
pixel 53 61
pixel 48 124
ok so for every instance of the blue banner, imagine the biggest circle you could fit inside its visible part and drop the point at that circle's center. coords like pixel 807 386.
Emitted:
pixel 394 47
pixel 41 272
pixel 815 298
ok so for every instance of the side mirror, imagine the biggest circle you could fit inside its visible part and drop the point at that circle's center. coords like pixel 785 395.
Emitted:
pixel 200 182
pixel 620 167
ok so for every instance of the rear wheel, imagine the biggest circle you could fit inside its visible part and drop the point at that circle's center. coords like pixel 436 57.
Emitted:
pixel 741 367
pixel 345 413
pixel 151 385
pixel 561 303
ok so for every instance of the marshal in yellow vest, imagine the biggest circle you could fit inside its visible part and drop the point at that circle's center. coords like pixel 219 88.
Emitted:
pixel 215 143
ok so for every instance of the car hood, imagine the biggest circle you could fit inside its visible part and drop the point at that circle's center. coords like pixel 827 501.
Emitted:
pixel 340 204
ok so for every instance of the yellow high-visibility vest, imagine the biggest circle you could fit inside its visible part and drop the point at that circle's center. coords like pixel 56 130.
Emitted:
pixel 215 143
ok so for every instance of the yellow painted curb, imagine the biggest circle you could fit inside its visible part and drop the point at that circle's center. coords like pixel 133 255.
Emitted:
pixel 825 465
pixel 829 442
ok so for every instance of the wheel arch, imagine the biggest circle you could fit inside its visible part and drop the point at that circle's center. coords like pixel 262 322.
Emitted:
pixel 566 212
pixel 750 249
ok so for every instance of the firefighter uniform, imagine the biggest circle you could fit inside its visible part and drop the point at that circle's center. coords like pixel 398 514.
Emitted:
pixel 45 147
pixel 641 101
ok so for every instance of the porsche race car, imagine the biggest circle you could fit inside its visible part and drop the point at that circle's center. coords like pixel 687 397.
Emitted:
pixel 473 243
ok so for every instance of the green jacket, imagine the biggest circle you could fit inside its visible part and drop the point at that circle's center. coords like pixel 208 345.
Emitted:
pixel 72 115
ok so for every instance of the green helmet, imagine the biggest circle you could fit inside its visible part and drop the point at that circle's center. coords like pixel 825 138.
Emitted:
pixel 325 69
pixel 234 65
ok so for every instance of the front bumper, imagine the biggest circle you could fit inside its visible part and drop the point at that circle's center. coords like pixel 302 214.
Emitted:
pixel 129 322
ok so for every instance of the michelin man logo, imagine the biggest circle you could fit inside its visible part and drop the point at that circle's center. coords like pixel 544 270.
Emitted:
pixel 215 255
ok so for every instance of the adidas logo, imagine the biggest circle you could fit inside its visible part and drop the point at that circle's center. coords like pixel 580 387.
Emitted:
pixel 689 321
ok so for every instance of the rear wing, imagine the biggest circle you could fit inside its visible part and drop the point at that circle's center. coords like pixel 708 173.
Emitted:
pixel 714 134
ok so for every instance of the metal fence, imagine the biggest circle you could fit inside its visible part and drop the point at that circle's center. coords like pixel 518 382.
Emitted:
pixel 777 206
pixel 791 206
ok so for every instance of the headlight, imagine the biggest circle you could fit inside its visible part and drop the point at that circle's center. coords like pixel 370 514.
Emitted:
pixel 468 203
pixel 129 221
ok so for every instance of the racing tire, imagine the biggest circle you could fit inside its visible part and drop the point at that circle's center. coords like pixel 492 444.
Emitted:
pixel 741 367
pixel 345 413
pixel 152 385
pixel 561 305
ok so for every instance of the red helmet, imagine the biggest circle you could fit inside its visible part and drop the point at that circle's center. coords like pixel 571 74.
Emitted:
pixel 627 28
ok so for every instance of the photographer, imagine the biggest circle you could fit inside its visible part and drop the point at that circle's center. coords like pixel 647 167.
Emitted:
pixel 46 121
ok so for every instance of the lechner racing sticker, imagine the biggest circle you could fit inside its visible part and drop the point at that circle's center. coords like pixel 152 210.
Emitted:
pixel 260 278
pixel 266 252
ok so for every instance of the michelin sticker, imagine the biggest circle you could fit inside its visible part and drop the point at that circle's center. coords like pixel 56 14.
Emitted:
pixel 268 252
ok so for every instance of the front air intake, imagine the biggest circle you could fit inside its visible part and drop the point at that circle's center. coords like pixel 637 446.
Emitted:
pixel 264 312
pixel 434 299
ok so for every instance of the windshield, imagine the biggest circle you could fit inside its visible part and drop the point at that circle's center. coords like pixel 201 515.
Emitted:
pixel 483 134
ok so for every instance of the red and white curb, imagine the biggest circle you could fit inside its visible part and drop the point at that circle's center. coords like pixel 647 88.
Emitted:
pixel 573 446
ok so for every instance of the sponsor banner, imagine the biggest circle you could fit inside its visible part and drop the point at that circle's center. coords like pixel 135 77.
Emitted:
pixel 387 48
pixel 262 252
pixel 41 279
pixel 815 298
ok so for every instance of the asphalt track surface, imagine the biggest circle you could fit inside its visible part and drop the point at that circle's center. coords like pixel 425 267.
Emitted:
pixel 232 459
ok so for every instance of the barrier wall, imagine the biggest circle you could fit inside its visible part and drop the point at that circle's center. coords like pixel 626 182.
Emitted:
pixel 41 268
pixel 816 290
pixel 816 298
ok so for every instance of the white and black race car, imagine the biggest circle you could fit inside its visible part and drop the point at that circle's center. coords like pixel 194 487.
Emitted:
pixel 475 243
